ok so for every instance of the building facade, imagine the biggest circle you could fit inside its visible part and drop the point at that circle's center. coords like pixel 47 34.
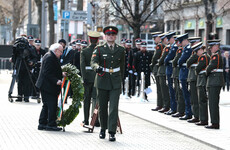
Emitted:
pixel 191 16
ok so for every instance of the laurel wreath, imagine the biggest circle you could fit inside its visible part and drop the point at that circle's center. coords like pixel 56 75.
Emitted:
pixel 78 93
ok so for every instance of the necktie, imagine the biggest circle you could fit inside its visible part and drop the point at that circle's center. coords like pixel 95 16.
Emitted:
pixel 111 47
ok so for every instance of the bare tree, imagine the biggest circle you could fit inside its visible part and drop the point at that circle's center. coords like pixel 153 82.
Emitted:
pixel 51 21
pixel 16 10
pixel 134 12
pixel 39 9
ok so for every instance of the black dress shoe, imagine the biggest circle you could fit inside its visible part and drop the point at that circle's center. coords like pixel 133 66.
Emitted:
pixel 112 137
pixel 213 126
pixel 85 122
pixel 102 134
pixel 26 100
pixel 193 120
pixel 49 128
pixel 170 112
pixel 157 108
pixel 202 123
pixel 185 117
pixel 177 115
pixel 163 110
pixel 41 127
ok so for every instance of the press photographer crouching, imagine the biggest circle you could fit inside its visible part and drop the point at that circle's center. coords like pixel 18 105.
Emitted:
pixel 23 59
pixel 49 82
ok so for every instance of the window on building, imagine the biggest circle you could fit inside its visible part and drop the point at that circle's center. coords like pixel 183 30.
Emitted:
pixel 228 37
pixel 190 33
pixel 168 25
pixel 201 34
pixel 219 32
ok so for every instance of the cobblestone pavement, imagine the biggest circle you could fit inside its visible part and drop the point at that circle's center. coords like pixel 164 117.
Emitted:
pixel 19 121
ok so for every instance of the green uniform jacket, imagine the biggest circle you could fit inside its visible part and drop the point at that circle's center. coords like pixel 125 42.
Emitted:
pixel 88 74
pixel 176 68
pixel 156 57
pixel 215 78
pixel 190 62
pixel 106 58
pixel 203 62
pixel 162 67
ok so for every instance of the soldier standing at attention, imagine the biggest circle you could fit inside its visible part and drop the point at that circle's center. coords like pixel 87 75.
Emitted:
pixel 108 60
pixel 169 70
pixel 154 66
pixel 192 80
pixel 215 81
pixel 203 62
pixel 122 43
pixel 128 49
pixel 186 53
pixel 175 76
pixel 142 64
pixel 131 60
pixel 162 75
pixel 76 55
pixel 84 44
pixel 88 74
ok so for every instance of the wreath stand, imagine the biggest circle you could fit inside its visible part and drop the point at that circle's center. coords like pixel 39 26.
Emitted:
pixel 93 121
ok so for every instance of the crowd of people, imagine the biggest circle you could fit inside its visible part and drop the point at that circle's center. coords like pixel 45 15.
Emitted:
pixel 188 76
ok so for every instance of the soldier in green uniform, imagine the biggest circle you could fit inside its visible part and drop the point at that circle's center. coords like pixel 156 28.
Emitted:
pixel 215 81
pixel 192 79
pixel 162 74
pixel 108 60
pixel 154 66
pixel 175 76
pixel 88 75
pixel 203 61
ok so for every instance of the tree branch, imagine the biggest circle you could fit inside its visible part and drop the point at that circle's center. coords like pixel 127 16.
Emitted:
pixel 142 22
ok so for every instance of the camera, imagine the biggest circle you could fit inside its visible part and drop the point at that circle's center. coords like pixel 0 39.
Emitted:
pixel 21 47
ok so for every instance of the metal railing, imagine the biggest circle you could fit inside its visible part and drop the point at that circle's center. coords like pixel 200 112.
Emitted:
pixel 5 64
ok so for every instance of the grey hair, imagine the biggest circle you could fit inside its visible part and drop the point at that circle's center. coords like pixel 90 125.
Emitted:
pixel 55 46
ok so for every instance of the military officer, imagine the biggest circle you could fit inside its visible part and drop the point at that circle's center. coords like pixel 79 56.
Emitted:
pixel 142 64
pixel 128 71
pixel 168 63
pixel 175 76
pixel 76 55
pixel 154 67
pixel 108 60
pixel 36 69
pixel 162 75
pixel 215 81
pixel 183 74
pixel 131 60
pixel 122 43
pixel 88 74
pixel 203 61
pixel 192 80
pixel 84 44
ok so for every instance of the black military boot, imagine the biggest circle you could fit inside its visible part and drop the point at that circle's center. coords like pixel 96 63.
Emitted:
pixel 102 134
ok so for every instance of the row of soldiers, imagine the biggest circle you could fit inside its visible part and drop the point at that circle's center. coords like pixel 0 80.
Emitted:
pixel 184 73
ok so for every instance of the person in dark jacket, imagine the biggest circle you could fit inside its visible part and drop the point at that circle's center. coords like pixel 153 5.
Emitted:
pixel 49 82
pixel 226 61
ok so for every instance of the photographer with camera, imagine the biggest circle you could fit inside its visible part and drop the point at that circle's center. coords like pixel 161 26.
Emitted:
pixel 23 58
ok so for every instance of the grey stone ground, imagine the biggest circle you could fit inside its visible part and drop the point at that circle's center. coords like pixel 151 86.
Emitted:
pixel 18 130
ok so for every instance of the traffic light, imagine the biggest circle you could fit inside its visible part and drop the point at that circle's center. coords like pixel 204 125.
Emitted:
pixel 69 37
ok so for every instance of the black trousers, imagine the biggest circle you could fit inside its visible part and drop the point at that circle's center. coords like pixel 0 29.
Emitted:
pixel 24 84
pixel 48 114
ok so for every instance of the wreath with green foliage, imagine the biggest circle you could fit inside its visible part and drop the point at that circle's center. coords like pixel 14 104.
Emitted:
pixel 78 93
